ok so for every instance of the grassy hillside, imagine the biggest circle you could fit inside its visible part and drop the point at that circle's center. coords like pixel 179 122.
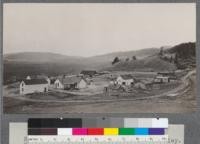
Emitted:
pixel 185 55
pixel 177 57
pixel 35 63
pixel 22 69
pixel 184 50
pixel 151 63
pixel 128 54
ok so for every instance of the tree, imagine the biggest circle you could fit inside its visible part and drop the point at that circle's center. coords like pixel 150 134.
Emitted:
pixel 161 51
pixel 116 60
pixel 176 59
pixel 171 59
pixel 134 58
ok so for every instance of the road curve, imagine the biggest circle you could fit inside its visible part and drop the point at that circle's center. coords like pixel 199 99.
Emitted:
pixel 184 87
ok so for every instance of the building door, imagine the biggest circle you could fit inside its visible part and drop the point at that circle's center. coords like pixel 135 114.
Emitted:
pixel 45 89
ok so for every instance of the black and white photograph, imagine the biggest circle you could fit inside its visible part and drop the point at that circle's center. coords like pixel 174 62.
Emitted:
pixel 99 58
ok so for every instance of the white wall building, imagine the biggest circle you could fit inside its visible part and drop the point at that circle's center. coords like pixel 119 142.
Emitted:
pixel 58 84
pixel 162 79
pixel 70 82
pixel 33 85
pixel 28 77
pixel 125 80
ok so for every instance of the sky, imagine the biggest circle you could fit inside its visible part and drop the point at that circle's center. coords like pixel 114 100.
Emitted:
pixel 95 29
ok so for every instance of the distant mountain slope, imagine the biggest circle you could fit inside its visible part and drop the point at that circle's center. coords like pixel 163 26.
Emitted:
pixel 128 54
pixel 35 63
pixel 68 62
pixel 40 57
pixel 104 61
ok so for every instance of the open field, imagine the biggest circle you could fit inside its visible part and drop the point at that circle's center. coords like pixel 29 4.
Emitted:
pixel 177 97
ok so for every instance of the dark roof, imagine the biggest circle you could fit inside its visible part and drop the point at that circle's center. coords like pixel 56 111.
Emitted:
pixel 52 81
pixel 89 72
pixel 166 73
pixel 114 78
pixel 35 81
pixel 70 80
pixel 126 77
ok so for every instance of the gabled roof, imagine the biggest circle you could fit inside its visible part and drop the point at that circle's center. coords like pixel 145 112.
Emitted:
pixel 166 73
pixel 70 80
pixel 161 77
pixel 35 81
pixel 126 77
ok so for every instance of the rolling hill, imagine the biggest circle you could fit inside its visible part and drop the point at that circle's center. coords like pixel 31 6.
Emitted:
pixel 184 50
pixel 151 63
pixel 185 55
pixel 184 58
pixel 35 63
pixel 52 64
pixel 40 57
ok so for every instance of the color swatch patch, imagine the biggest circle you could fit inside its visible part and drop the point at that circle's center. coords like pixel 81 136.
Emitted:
pixel 96 131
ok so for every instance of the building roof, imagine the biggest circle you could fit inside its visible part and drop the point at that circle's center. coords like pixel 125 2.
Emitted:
pixel 166 73
pixel 35 81
pixel 70 80
pixel 161 77
pixel 126 77
pixel 52 81
pixel 88 72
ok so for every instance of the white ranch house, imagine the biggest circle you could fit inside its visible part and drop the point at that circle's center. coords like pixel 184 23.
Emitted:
pixel 33 85
pixel 125 80
pixel 162 79
pixel 70 82
pixel 165 77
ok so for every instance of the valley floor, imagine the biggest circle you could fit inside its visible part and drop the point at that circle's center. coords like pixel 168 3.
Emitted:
pixel 176 100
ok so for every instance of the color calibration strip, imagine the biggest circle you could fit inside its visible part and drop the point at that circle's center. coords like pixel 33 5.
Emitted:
pixel 146 122
pixel 96 131
pixel 98 122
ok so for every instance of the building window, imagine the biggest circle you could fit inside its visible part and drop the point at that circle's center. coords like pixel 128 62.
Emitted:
pixel 22 89
pixel 22 84
pixel 124 83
